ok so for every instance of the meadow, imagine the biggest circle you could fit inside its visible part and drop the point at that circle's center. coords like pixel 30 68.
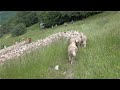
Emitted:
pixel 99 60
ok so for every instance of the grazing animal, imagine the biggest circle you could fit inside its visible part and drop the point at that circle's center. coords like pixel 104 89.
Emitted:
pixel 65 24
pixel 83 40
pixel 72 21
pixel 75 39
pixel 29 40
pixel 72 50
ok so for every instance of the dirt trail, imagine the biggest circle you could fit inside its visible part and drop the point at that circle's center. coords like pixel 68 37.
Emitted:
pixel 69 73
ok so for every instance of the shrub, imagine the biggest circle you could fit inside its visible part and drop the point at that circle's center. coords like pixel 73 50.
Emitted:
pixel 1 32
pixel 51 18
pixel 19 29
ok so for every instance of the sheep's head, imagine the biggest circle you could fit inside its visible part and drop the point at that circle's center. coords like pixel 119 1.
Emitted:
pixel 76 42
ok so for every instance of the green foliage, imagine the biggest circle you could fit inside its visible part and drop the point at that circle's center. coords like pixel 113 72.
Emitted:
pixel 77 15
pixel 6 28
pixel 18 29
pixel 28 18
pixel 51 18
pixel 48 18
pixel 6 23
pixel 1 32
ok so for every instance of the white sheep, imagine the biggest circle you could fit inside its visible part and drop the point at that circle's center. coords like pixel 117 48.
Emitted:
pixel 76 39
pixel 72 21
pixel 65 24
pixel 19 48
pixel 83 39
pixel 72 50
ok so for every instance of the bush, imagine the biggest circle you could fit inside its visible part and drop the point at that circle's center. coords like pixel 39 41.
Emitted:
pixel 27 17
pixel 18 30
pixel 30 19
pixel 1 32
pixel 51 18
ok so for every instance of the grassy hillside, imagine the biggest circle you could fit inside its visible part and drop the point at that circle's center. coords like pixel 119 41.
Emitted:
pixel 100 59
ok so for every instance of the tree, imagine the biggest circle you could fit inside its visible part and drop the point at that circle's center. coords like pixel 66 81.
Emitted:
pixel 49 18
pixel 18 29
pixel 1 32
pixel 27 17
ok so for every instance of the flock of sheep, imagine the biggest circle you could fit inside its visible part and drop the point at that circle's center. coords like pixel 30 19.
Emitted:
pixel 75 38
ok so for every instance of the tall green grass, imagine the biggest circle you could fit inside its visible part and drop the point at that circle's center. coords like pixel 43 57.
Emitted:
pixel 38 64
pixel 101 58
